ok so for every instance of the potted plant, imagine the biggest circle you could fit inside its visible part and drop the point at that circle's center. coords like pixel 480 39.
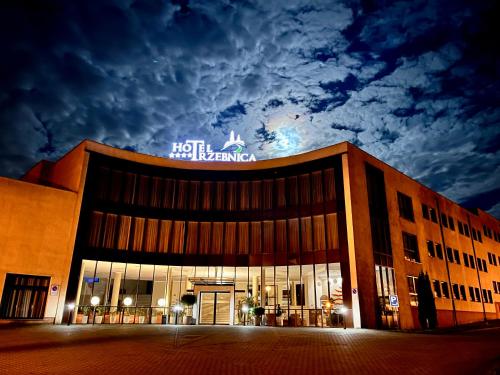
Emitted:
pixel 140 315
pixel 188 300
pixel 258 311
pixel 85 314
pixel 98 315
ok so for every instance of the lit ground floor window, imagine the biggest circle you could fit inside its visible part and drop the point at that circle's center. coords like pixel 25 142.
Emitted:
pixel 293 295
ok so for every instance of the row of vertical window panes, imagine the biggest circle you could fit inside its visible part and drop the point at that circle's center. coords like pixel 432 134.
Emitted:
pixel 386 286
pixel 266 194
pixel 122 232
pixel 306 294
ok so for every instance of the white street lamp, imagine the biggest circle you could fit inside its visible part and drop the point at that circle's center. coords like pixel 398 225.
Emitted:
pixel 127 301
pixel 161 302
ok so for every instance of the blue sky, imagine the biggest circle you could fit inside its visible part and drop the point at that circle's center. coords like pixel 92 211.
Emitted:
pixel 415 83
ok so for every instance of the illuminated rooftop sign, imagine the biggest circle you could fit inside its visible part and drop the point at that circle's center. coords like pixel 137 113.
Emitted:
pixel 196 150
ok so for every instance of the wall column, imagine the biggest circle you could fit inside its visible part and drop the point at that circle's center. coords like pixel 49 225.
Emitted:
pixel 115 293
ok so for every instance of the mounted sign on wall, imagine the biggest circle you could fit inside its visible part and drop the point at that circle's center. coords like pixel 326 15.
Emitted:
pixel 199 151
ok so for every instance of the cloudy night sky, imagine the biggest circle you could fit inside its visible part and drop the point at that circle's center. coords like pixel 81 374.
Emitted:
pixel 414 83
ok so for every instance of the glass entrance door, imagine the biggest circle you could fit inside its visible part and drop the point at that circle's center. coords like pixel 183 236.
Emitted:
pixel 215 307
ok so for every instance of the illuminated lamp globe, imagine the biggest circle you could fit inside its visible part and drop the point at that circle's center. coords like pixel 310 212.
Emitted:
pixel 178 308
pixel 94 301
pixel 71 306
pixel 268 288
pixel 127 301
pixel 161 302
pixel 244 308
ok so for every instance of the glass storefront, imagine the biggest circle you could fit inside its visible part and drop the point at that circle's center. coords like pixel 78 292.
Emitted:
pixel 127 293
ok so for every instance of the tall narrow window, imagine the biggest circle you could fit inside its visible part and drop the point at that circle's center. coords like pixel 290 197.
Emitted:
pixel 430 248
pixel 425 211
pixel 405 207
pixel 444 288
pixel 444 220
pixel 410 246
pixel 437 288
pixel 439 251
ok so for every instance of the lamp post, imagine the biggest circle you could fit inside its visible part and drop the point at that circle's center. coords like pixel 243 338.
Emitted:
pixel 94 301
pixel 127 301
pixel 244 310
pixel 343 311
pixel 161 302
pixel 71 308
pixel 177 309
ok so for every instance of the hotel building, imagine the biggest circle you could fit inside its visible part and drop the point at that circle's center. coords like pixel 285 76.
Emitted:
pixel 329 237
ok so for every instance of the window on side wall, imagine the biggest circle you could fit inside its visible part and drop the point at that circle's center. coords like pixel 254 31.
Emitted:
pixel 466 259
pixel 430 248
pixel 471 294
pixel 405 207
pixel 432 213
pixel 437 288
pixel 445 290
pixel 410 246
pixel 439 251
pixel 425 211
pixel 451 223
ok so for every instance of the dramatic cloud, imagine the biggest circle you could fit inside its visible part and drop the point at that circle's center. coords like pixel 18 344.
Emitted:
pixel 414 83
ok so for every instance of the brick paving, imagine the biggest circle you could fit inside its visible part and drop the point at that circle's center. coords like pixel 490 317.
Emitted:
pixel 131 349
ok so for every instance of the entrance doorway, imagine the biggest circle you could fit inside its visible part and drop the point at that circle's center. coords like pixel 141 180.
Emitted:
pixel 215 307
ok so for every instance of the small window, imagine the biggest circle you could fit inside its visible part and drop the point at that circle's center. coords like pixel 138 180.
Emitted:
pixel 479 238
pixel 489 258
pixel 474 235
pixel 490 297
pixel 444 288
pixel 439 251
pixel 451 223
pixel 410 246
pixel 471 261
pixel 444 220
pixel 437 288
pixel 460 227
pixel 433 215
pixel 466 259
pixel 466 230
pixel 485 230
pixel 495 287
pixel 485 267
pixel 430 248
pixel 457 256
pixel 456 292
pixel 479 264
pixel 425 211
pixel 478 294
pixel 471 294
pixel 494 259
pixel 485 296
pixel 462 293
pixel 449 254
pixel 405 207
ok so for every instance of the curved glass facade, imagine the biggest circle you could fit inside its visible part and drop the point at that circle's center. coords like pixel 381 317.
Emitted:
pixel 235 239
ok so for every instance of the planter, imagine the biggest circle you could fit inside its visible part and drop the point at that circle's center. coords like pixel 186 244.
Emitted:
pixel 85 319
pixel 258 320
pixel 279 321
pixel 127 318
pixel 187 320
pixel 142 318
pixel 98 319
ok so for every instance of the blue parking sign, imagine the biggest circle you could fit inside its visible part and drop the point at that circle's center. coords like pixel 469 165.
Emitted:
pixel 394 300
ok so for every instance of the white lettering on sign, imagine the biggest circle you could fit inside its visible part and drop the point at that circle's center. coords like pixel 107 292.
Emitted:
pixel 196 150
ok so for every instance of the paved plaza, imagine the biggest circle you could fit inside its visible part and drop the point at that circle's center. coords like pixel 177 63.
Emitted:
pixel 153 349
